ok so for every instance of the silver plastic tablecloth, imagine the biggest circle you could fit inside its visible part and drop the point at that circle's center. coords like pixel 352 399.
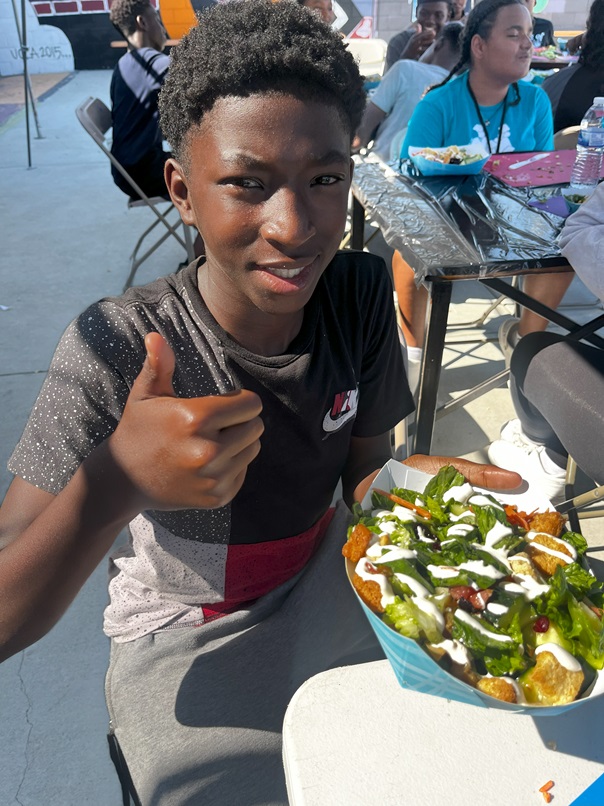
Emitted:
pixel 458 226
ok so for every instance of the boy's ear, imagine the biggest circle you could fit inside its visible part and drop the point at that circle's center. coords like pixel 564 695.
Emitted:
pixel 178 188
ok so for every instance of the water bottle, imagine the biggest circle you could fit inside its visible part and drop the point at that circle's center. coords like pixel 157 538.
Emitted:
pixel 590 148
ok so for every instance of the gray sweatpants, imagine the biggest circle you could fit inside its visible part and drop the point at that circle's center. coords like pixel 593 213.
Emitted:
pixel 198 712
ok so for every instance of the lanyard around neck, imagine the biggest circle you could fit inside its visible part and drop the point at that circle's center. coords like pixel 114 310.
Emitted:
pixel 483 124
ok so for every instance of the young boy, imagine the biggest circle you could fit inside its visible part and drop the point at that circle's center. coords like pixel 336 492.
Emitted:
pixel 135 85
pixel 214 411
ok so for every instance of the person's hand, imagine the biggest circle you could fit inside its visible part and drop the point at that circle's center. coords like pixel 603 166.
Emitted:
pixel 419 42
pixel 495 478
pixel 176 453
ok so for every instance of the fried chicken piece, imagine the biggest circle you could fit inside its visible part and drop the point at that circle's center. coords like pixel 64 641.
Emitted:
pixel 370 592
pixel 547 563
pixel 550 683
pixel 357 543
pixel 552 523
pixel 497 687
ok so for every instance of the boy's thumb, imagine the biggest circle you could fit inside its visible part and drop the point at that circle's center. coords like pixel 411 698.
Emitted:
pixel 155 378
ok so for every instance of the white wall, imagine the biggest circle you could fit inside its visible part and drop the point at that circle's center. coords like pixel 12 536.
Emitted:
pixel 49 50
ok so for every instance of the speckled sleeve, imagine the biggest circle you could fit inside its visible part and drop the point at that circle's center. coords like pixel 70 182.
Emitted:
pixel 82 398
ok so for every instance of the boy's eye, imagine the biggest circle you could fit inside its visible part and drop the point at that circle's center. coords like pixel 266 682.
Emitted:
pixel 327 179
pixel 243 182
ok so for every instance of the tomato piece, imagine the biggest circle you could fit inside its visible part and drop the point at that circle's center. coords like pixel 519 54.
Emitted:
pixel 479 599
pixel 461 592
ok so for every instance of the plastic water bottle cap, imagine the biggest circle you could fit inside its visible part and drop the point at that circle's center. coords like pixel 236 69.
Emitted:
pixel 599 100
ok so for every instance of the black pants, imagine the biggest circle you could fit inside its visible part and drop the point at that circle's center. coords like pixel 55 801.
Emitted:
pixel 148 173
pixel 558 392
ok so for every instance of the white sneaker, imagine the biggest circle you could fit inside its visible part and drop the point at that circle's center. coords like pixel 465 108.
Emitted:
pixel 533 464
pixel 512 432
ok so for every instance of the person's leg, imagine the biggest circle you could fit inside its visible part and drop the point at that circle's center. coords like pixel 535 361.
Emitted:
pixel 548 289
pixel 412 301
pixel 534 425
pixel 565 381
pixel 198 712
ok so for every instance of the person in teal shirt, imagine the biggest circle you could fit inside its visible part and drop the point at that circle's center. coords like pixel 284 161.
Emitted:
pixel 483 102
pixel 447 115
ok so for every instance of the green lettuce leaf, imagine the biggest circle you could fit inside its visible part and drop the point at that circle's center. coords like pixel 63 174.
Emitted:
pixel 577 541
pixel 446 478
pixel 499 658
pixel 408 619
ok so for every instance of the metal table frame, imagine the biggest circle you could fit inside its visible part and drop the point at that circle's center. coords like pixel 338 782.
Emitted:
pixel 439 290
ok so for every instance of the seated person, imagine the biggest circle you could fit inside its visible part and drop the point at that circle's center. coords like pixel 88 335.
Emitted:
pixel 458 11
pixel 135 86
pixel 323 8
pixel 558 385
pixel 482 102
pixel 572 90
pixel 398 93
pixel 543 30
pixel 417 38
pixel 213 412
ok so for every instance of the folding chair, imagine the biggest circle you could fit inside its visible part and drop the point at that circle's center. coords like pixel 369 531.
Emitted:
pixel 95 117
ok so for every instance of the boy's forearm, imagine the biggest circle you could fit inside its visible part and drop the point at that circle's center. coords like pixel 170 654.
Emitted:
pixel 42 570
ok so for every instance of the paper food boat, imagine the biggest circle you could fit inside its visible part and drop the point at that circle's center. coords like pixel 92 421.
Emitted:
pixel 413 667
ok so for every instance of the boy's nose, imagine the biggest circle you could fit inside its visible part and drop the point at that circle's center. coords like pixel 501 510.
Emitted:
pixel 287 221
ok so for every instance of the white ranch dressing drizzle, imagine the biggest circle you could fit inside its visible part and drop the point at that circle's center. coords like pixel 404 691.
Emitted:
pixel 442 571
pixel 562 655
pixel 385 588
pixel 405 515
pixel 483 501
pixel 455 650
pixel 421 535
pixel 459 493
pixel 531 537
pixel 530 587
pixel 476 625
pixel 387 527
pixel 498 554
pixel 460 529
pixel 495 534
pixel 394 553
pixel 431 609
pixel 496 608
pixel 479 567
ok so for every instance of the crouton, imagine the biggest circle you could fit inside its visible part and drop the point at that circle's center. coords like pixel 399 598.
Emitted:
pixel 497 687
pixel 549 682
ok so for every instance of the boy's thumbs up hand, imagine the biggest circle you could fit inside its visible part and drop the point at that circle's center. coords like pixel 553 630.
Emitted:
pixel 177 453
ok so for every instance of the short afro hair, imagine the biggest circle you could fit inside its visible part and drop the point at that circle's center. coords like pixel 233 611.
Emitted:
pixel 123 14
pixel 244 47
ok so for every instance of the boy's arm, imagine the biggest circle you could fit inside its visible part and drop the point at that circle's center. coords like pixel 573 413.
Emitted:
pixel 368 454
pixel 166 453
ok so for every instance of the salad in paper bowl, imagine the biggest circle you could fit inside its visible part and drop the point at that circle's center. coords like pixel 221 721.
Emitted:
pixel 460 160
pixel 474 599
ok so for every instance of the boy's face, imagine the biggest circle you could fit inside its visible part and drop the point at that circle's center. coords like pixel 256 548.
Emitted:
pixel 267 186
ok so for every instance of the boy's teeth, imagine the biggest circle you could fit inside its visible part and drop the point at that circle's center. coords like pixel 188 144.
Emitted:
pixel 287 274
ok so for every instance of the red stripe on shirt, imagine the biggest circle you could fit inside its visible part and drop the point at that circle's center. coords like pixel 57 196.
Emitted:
pixel 254 570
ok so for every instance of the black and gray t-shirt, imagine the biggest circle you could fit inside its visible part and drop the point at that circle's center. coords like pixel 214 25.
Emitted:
pixel 342 376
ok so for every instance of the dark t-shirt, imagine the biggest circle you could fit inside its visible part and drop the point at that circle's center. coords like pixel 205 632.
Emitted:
pixel 135 86
pixel 571 92
pixel 342 376
pixel 396 46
